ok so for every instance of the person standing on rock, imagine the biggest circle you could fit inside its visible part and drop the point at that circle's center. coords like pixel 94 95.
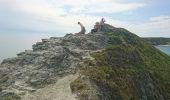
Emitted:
pixel 83 30
pixel 102 23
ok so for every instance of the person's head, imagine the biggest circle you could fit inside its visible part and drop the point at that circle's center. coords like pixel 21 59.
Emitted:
pixel 97 23
pixel 78 22
pixel 103 20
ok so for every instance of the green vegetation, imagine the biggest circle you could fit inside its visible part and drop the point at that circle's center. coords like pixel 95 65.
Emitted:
pixel 158 41
pixel 115 83
pixel 147 60
pixel 140 54
pixel 78 85
pixel 83 88
pixel 128 60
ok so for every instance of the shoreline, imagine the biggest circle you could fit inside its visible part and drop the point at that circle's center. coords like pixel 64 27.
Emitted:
pixel 163 45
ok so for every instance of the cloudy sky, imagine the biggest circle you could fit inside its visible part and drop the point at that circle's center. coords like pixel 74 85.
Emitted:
pixel 144 17
pixel 24 21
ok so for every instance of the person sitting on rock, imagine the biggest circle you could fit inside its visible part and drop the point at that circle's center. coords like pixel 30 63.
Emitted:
pixel 102 23
pixel 96 27
pixel 83 30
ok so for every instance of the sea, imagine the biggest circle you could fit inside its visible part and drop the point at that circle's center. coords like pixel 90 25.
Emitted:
pixel 164 48
pixel 10 45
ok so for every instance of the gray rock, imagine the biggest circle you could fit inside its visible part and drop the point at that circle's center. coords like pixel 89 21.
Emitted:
pixel 57 57
pixel 49 59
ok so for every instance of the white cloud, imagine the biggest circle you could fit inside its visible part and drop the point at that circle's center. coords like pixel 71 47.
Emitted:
pixel 57 15
pixel 62 16
pixel 96 6
pixel 110 8
pixel 157 26
pixel 71 6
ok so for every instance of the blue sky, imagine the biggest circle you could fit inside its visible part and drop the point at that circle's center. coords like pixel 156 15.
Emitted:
pixel 26 21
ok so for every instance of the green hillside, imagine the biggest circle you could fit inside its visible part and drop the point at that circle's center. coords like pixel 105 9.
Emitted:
pixel 126 67
pixel 158 41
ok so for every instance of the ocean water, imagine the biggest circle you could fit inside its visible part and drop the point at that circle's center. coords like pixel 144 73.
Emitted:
pixel 165 49
pixel 12 44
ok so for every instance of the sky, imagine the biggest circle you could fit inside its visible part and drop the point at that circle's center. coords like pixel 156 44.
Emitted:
pixel 23 22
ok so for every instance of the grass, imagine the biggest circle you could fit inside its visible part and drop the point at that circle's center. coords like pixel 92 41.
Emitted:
pixel 147 59
pixel 78 85
pixel 114 68
pixel 114 83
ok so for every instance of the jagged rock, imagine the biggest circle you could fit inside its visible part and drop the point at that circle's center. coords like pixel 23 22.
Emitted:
pixel 49 59
pixel 57 57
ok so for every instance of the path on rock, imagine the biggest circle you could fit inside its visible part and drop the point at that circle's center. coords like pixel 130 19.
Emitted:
pixel 58 91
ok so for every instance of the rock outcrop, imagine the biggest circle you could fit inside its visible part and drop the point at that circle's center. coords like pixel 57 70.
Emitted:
pixel 111 65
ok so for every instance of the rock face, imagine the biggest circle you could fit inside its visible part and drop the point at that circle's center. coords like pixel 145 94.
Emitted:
pixel 49 60
pixel 58 91
pixel 112 65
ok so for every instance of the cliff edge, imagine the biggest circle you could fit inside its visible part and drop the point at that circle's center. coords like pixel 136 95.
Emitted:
pixel 111 65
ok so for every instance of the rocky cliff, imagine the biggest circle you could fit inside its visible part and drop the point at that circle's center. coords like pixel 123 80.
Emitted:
pixel 111 65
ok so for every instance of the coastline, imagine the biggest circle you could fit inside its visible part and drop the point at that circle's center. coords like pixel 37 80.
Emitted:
pixel 163 45
pixel 164 48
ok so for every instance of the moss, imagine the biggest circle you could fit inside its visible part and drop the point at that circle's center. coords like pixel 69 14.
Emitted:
pixel 112 82
pixel 121 61
pixel 118 56
pixel 138 55
pixel 78 85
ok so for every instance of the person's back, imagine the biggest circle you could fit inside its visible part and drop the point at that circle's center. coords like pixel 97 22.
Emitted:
pixel 83 30
pixel 96 27
pixel 102 23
